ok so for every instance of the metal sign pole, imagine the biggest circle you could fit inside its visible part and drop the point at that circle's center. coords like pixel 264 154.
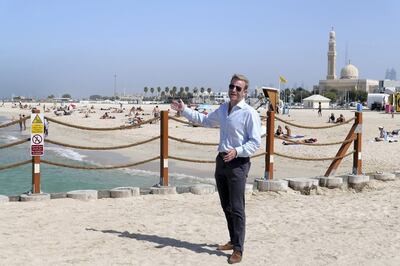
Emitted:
pixel 35 165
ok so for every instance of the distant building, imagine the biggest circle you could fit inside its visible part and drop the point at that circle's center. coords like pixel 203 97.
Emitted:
pixel 314 100
pixel 349 77
pixel 391 74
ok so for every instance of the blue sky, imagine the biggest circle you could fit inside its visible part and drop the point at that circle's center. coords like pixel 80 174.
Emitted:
pixel 56 47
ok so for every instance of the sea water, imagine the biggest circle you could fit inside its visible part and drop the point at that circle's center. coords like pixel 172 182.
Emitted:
pixel 59 179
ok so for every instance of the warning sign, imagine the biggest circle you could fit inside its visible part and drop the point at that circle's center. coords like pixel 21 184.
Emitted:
pixel 37 125
pixel 37 150
pixel 37 135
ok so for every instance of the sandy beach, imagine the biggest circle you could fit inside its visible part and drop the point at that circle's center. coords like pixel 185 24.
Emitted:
pixel 333 228
pixel 330 227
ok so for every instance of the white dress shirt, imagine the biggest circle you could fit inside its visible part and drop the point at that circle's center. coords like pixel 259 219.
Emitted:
pixel 239 130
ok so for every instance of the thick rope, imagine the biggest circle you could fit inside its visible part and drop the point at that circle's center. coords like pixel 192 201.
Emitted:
pixel 193 142
pixel 102 128
pixel 310 127
pixel 14 143
pixel 9 166
pixel 313 159
pixel 316 144
pixel 14 122
pixel 102 148
pixel 99 167
pixel 189 160
pixel 186 122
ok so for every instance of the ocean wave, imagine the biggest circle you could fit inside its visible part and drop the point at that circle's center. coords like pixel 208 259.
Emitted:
pixel 176 176
pixel 8 137
pixel 67 153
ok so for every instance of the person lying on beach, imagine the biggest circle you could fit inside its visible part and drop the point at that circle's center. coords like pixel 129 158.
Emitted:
pixel 331 118
pixel 384 135
pixel 300 141
pixel 279 131
pixel 107 116
pixel 340 119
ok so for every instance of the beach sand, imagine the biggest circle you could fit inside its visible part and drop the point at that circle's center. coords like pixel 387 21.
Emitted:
pixel 332 227
pixel 335 227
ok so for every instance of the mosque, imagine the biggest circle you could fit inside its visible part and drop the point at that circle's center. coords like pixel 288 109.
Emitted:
pixel 349 79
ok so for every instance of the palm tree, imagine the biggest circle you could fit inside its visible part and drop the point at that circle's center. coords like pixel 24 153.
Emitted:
pixel 174 89
pixel 187 90
pixel 163 94
pixel 146 90
pixel 166 90
pixel 181 91
pixel 152 90
pixel 158 90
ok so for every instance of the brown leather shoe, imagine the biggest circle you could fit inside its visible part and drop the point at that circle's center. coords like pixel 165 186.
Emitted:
pixel 227 246
pixel 236 257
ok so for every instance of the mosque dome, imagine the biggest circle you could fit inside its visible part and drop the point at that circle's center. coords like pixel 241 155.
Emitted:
pixel 349 72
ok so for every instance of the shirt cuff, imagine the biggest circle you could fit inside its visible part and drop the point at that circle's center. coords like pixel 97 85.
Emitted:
pixel 239 151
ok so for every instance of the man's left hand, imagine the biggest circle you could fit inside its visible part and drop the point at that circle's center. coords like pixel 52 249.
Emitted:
pixel 230 155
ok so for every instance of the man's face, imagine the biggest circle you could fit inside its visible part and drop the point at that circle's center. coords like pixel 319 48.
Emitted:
pixel 237 92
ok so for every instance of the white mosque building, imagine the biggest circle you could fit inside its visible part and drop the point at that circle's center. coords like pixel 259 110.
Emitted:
pixel 349 77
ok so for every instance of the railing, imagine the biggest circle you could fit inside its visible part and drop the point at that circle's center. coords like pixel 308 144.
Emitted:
pixel 354 135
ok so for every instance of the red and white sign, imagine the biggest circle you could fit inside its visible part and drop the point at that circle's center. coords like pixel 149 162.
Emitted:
pixel 37 136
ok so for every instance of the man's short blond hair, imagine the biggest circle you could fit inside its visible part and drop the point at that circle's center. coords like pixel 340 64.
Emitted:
pixel 241 77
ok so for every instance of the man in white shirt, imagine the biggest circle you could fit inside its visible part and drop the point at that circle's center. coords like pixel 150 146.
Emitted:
pixel 240 137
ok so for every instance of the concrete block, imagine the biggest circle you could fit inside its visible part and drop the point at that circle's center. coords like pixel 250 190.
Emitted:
pixel 183 189
pixel 124 192
pixel 58 195
pixel 385 176
pixel 35 197
pixel 397 173
pixel 358 182
pixel 271 185
pixel 14 198
pixel 103 194
pixel 202 189
pixel 331 182
pixel 304 185
pixel 163 190
pixel 83 194
pixel 145 191
pixel 4 199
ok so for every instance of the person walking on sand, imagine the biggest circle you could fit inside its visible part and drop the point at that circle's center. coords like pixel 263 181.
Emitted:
pixel 240 137
pixel 20 122
pixel 24 121
pixel 319 109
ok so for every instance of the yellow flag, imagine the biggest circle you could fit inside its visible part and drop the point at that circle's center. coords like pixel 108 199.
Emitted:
pixel 282 79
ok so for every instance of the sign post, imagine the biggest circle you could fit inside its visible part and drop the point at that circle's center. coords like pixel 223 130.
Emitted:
pixel 37 147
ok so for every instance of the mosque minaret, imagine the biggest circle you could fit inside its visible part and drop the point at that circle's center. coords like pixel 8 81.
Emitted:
pixel 332 56
pixel 349 77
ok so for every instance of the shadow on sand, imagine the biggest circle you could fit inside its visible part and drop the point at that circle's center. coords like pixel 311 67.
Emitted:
pixel 166 241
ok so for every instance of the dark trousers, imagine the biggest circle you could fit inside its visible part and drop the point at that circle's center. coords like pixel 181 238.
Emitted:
pixel 230 178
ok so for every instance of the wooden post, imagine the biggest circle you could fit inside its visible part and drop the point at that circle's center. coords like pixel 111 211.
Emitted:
pixel 341 152
pixel 164 149
pixel 357 159
pixel 269 148
pixel 35 167
pixel 272 95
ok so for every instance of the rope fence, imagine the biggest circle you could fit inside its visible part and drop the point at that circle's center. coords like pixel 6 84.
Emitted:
pixel 194 142
pixel 18 142
pixel 316 144
pixel 99 167
pixel 14 165
pixel 122 127
pixel 314 127
pixel 102 148
pixel 313 159
pixel 14 122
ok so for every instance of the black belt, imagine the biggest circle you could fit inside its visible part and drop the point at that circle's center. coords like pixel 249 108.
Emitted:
pixel 222 155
